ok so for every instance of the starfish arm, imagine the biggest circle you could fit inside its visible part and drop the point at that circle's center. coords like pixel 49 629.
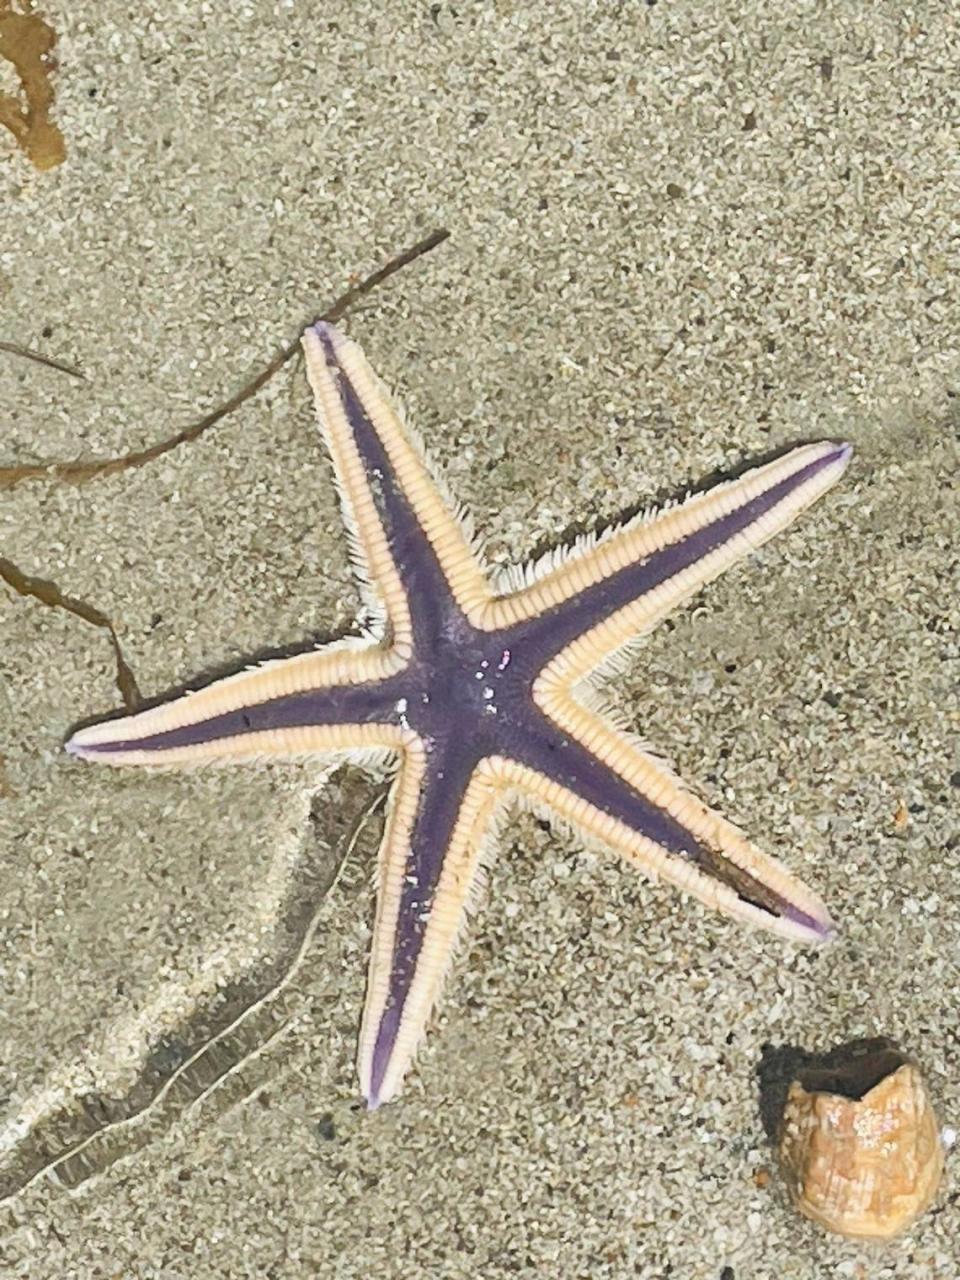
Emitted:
pixel 600 780
pixel 440 825
pixel 335 699
pixel 592 604
pixel 411 540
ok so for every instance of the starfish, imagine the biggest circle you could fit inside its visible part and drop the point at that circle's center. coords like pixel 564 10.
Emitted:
pixel 486 691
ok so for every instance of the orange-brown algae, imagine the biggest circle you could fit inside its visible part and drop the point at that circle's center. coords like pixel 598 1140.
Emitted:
pixel 26 41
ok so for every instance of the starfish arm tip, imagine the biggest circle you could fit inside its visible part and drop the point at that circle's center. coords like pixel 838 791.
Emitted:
pixel 375 1090
pixel 844 452
pixel 814 927
pixel 74 746
pixel 377 1094
pixel 325 332
pixel 92 742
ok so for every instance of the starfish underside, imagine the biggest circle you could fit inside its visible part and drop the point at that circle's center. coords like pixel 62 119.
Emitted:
pixel 486 693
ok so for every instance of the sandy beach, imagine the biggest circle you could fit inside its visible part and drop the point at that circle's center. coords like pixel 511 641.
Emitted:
pixel 681 239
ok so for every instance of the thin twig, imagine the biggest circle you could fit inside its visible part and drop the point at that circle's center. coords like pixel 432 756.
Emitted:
pixel 80 472
pixel 49 593
pixel 61 365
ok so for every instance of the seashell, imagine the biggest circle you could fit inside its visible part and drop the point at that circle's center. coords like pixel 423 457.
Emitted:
pixel 860 1146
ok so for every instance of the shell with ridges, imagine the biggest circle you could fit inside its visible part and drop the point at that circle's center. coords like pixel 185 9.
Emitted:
pixel 860 1146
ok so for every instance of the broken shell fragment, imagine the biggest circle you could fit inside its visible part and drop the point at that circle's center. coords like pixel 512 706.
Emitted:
pixel 860 1147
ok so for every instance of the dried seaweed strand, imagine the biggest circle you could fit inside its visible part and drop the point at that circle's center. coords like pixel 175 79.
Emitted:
pixel 49 593
pixel 15 349
pixel 81 472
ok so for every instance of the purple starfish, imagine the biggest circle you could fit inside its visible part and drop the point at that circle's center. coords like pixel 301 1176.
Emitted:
pixel 487 693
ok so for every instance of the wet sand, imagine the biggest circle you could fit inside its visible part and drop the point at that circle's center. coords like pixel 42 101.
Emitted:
pixel 679 241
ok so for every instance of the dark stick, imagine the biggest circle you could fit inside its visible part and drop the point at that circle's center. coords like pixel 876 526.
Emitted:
pixel 49 593
pixel 16 350
pixel 80 472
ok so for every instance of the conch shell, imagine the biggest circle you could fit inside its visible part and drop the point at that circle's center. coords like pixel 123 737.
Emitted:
pixel 860 1146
